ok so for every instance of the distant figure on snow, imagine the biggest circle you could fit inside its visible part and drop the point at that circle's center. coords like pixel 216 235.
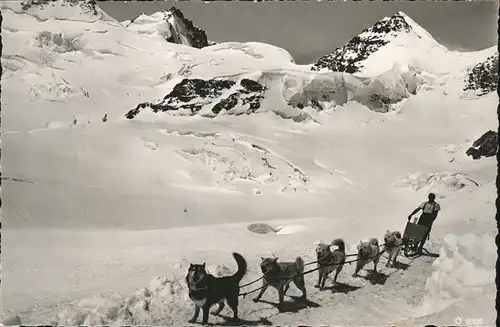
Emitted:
pixel 430 210
pixel 105 118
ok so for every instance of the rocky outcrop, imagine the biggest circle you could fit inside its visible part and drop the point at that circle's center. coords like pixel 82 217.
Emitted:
pixel 485 146
pixel 210 97
pixel 196 36
pixel 483 78
pixel 170 25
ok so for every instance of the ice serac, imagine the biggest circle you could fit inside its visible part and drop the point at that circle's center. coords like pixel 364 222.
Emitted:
pixel 284 92
pixel 395 29
pixel 208 97
pixel 170 25
pixel 483 77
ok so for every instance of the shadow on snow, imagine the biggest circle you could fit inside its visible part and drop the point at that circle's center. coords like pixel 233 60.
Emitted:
pixel 295 305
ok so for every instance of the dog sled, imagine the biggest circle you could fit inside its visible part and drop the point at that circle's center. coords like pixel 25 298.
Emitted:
pixel 412 236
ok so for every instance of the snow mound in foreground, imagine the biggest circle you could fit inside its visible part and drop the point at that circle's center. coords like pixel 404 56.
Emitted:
pixel 463 272
pixel 159 300
pixel 438 182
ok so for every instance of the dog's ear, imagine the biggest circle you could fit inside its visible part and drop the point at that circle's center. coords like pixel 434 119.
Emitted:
pixel 360 242
pixel 275 259
pixel 203 265
pixel 190 266
pixel 262 258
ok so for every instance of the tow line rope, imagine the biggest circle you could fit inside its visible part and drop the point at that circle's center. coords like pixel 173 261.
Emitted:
pixel 244 294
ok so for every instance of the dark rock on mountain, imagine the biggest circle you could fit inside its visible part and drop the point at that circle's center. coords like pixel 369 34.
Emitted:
pixel 197 37
pixel 483 78
pixel 191 95
pixel 485 146
pixel 173 26
pixel 349 57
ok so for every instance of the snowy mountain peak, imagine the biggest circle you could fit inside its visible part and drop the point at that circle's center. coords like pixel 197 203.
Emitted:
pixel 350 57
pixel 170 25
pixel 84 5
pixel 416 28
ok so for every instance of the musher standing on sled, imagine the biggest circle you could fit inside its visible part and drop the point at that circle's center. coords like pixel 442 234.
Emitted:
pixel 430 211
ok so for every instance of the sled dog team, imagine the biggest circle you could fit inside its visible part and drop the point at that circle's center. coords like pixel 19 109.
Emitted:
pixel 206 290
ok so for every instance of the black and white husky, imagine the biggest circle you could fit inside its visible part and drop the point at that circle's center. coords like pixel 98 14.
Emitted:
pixel 205 290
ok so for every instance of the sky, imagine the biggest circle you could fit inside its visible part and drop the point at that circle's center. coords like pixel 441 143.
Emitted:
pixel 309 30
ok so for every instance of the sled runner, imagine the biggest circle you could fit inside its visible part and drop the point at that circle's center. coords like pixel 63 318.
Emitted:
pixel 412 236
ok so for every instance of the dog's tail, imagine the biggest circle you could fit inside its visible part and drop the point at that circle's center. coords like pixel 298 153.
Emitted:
pixel 340 244
pixel 242 266
pixel 373 241
pixel 397 234
pixel 300 264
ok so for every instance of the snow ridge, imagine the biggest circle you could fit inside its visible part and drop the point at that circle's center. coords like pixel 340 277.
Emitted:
pixel 87 6
pixel 69 10
pixel 483 78
pixel 349 57
pixel 170 25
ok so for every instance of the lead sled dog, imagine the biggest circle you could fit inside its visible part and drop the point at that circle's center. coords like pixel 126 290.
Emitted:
pixel 205 290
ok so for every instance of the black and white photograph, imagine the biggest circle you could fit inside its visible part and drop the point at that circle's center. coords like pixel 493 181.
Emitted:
pixel 241 163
